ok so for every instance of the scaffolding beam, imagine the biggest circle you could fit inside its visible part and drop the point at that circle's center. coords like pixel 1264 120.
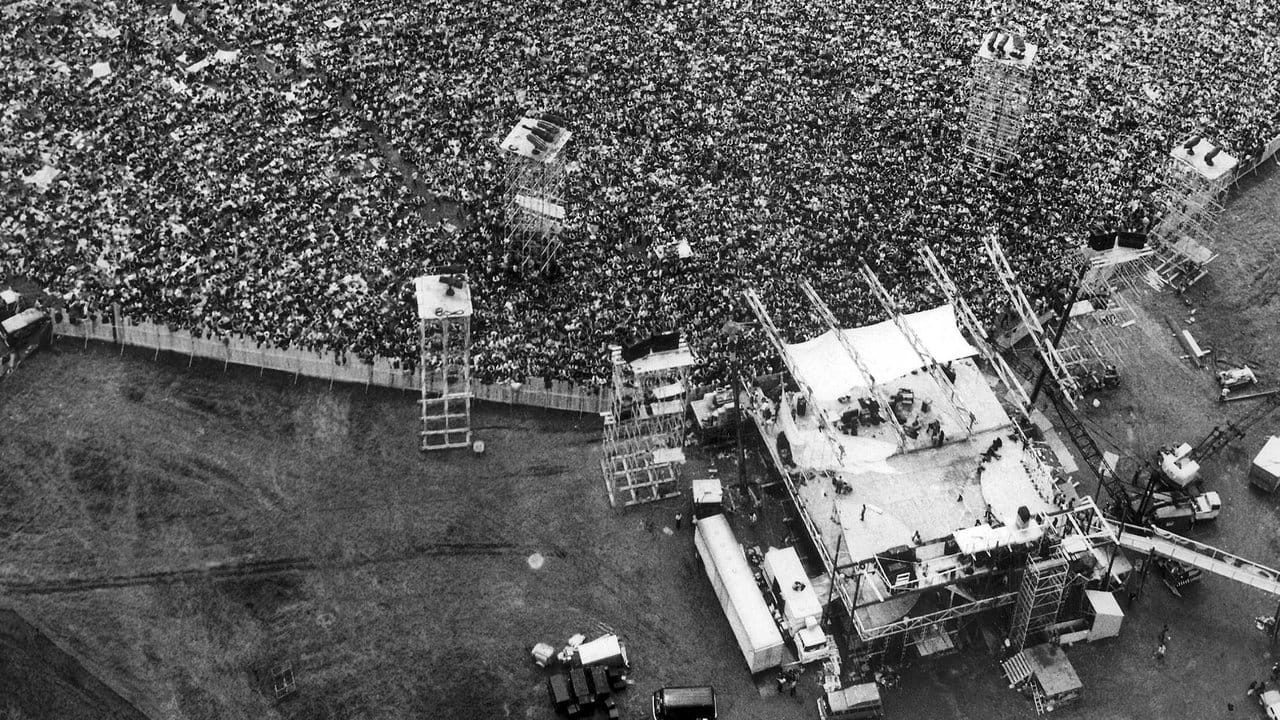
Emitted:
pixel 930 365
pixel 1048 353
pixel 978 334
pixel 825 425
pixel 824 312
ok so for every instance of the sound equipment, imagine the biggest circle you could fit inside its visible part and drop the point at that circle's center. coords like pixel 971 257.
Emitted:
pixel 1132 240
pixel 635 351
pixel 663 342
pixel 1100 242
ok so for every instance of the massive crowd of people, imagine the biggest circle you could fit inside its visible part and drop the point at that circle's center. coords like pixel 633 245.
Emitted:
pixel 236 166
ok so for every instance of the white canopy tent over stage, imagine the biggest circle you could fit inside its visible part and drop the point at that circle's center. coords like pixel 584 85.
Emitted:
pixel 837 386
pixel 888 355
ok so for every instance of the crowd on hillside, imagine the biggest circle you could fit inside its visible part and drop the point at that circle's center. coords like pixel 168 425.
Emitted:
pixel 235 167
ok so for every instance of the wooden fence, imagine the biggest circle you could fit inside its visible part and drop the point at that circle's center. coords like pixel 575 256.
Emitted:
pixel 383 372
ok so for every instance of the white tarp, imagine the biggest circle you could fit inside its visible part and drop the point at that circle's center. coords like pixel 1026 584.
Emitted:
pixel 887 354
pixel 984 538
pixel 1267 463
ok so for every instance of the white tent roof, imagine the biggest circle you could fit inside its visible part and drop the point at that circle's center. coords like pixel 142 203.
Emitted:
pixel 831 373
pixel 1268 460
pixel 1104 603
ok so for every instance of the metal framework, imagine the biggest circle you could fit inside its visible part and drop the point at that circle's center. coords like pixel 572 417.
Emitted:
pixel 978 334
pixel 534 199
pixel 1196 175
pixel 892 309
pixel 645 429
pixel 1039 598
pixel 999 96
pixel 824 311
pixel 1048 353
pixel 444 363
pixel 1098 336
pixel 917 622
pixel 825 425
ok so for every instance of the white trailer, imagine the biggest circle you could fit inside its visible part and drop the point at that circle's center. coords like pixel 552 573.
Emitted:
pixel 744 606
pixel 798 603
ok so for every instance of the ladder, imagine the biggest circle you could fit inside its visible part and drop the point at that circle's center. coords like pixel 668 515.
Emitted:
pixel 1039 597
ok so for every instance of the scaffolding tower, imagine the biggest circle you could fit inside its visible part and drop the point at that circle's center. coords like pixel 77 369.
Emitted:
pixel 891 308
pixel 1039 599
pixel 444 363
pixel 1031 322
pixel 1000 93
pixel 535 211
pixel 644 431
pixel 1196 175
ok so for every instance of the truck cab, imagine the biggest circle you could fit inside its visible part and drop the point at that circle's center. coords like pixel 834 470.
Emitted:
pixel 796 604
pixel 1270 702
pixel 1167 510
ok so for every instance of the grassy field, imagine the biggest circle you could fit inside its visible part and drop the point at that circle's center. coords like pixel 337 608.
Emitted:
pixel 182 531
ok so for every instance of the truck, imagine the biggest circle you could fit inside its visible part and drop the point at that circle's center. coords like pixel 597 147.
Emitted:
pixel 22 331
pixel 1167 509
pixel 750 619
pixel 798 606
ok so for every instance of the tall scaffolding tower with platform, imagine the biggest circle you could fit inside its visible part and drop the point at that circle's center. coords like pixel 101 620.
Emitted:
pixel 1196 175
pixel 644 432
pixel 535 211
pixel 444 363
pixel 999 96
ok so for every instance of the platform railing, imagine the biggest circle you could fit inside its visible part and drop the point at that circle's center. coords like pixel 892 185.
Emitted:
pixel 335 367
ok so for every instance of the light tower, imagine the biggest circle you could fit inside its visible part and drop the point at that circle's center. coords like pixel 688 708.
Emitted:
pixel 444 363
pixel 644 432
pixel 535 211
pixel 1196 175
pixel 1001 90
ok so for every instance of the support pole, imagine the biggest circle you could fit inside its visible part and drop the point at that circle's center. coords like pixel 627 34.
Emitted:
pixel 1062 328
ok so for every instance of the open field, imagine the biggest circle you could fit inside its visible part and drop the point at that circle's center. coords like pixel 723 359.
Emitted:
pixel 184 530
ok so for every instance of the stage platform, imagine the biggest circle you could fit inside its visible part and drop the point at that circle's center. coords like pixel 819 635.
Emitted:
pixel 875 443
pixel 932 491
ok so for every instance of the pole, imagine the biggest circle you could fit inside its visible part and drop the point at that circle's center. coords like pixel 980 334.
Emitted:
pixel 1057 336
pixel 737 413
pixel 835 561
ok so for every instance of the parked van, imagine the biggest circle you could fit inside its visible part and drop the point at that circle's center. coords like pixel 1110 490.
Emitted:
pixel 685 703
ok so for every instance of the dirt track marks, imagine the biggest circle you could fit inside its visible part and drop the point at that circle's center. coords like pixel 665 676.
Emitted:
pixel 251 568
